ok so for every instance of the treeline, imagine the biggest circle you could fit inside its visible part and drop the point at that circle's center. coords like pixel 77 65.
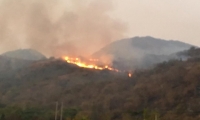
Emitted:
pixel 18 113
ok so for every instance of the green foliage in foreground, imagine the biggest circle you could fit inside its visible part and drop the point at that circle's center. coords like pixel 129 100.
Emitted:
pixel 17 113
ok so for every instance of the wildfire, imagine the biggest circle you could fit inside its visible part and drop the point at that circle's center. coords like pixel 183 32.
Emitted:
pixel 129 74
pixel 90 64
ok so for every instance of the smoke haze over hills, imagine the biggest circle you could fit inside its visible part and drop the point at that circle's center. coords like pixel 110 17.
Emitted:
pixel 139 52
pixel 58 27
pixel 67 60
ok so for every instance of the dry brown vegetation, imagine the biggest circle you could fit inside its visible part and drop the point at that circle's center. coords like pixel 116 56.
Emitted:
pixel 171 90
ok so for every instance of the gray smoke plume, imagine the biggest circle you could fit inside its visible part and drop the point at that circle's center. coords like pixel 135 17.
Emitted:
pixel 58 27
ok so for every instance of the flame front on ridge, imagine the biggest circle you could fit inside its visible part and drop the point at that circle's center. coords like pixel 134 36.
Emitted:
pixel 91 63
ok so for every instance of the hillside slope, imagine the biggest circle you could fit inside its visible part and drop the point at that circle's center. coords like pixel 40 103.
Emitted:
pixel 140 52
pixel 169 91
pixel 25 54
pixel 8 64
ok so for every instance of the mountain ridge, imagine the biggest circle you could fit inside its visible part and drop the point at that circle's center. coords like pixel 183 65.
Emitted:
pixel 149 42
pixel 25 54
pixel 137 49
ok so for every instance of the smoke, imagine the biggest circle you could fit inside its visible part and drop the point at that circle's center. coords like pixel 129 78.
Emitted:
pixel 58 27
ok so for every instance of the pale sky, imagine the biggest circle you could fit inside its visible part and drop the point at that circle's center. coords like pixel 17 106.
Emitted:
pixel 167 19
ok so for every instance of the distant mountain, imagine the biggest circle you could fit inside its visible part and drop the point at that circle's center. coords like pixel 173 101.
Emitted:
pixel 8 64
pixel 25 54
pixel 135 52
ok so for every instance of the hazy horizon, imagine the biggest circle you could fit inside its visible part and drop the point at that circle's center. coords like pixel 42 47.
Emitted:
pixel 68 27
pixel 166 19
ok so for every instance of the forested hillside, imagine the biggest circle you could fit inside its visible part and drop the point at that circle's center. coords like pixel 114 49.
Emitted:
pixel 169 91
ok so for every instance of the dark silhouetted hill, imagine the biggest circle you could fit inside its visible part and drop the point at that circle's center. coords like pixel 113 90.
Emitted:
pixel 8 64
pixel 25 54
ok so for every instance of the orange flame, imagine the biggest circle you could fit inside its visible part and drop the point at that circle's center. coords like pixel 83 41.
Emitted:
pixel 129 74
pixel 90 65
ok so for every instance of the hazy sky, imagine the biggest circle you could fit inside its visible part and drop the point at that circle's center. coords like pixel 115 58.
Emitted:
pixel 57 27
pixel 168 19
